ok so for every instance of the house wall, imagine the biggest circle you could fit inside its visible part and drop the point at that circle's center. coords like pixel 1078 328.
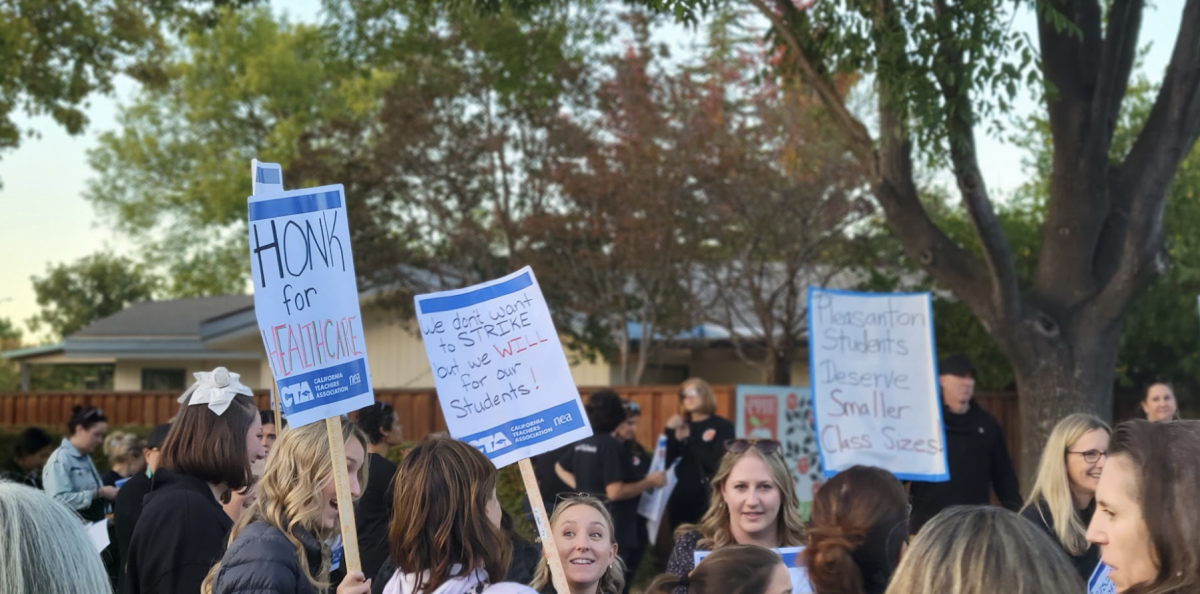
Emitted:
pixel 127 374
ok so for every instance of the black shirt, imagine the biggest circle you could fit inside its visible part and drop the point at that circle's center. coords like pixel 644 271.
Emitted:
pixel 1086 563
pixel 11 471
pixel 178 538
pixel 596 462
pixel 548 482
pixel 127 507
pixel 635 463
pixel 373 513
pixel 699 457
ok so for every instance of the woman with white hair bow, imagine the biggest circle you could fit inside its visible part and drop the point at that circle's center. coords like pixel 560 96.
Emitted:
pixel 210 448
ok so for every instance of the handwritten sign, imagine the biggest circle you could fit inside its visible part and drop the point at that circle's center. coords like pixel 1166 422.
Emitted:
pixel 502 377
pixel 875 391
pixel 784 414
pixel 306 299
pixel 791 558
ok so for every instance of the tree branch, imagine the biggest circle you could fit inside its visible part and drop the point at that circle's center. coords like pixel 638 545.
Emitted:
pixel 1145 176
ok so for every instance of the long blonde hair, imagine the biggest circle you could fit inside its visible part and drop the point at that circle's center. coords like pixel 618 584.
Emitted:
pixel 613 580
pixel 714 526
pixel 981 550
pixel 289 493
pixel 1054 486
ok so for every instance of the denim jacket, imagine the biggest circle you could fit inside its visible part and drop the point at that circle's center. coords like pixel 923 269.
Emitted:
pixel 70 476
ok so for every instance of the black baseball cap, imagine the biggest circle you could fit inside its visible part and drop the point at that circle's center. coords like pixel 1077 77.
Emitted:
pixel 157 436
pixel 957 364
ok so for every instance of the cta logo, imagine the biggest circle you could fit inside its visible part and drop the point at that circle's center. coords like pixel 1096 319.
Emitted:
pixel 295 394
pixel 492 443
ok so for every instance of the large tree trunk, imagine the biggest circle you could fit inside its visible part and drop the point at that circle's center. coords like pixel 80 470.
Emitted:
pixel 777 366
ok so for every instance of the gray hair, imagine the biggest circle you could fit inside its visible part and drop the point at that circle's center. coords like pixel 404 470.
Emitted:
pixel 44 547
pixel 981 550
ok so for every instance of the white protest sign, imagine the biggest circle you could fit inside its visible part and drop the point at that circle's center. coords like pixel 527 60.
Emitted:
pixel 653 503
pixel 501 374
pixel 1099 582
pixel 306 299
pixel 791 558
pixel 874 386
pixel 784 414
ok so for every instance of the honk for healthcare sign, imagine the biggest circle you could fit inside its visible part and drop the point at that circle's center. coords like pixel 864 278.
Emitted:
pixel 874 384
pixel 501 373
pixel 306 298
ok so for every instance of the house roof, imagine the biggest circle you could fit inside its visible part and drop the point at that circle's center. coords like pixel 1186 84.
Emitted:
pixel 176 317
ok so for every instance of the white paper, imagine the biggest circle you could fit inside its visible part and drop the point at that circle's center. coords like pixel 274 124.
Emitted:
pixel 874 386
pixel 791 558
pixel 653 503
pixel 306 301
pixel 98 533
pixel 502 376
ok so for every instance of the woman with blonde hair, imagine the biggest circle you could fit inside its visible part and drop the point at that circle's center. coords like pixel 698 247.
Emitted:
pixel 278 545
pixel 43 546
pixel 694 437
pixel 1063 497
pixel 983 550
pixel 445 534
pixel 587 546
pixel 753 502
pixel 124 452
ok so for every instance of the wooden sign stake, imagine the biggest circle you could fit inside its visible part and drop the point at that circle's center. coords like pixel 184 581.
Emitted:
pixel 549 546
pixel 337 450
pixel 275 405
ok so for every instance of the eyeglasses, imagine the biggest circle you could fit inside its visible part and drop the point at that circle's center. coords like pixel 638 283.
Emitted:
pixel 1090 456
pixel 95 412
pixel 561 497
pixel 738 446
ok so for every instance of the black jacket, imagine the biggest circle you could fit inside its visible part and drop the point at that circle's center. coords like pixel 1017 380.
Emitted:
pixel 262 560
pixel 127 508
pixel 699 456
pixel 1040 515
pixel 373 514
pixel 978 461
pixel 178 538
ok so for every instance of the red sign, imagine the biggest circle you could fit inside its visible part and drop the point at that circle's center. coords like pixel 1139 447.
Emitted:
pixel 762 417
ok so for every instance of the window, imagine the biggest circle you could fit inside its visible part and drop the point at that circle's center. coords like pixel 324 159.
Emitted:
pixel 163 379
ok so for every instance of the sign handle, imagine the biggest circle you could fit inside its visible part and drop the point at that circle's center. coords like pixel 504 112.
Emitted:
pixel 275 405
pixel 549 547
pixel 337 450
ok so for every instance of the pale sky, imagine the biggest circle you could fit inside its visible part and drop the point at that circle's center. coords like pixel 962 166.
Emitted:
pixel 47 221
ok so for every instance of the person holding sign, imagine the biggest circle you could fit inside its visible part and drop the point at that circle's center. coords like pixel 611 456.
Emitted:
pixel 735 569
pixel 753 502
pixel 209 450
pixel 276 545
pixel 694 437
pixel 1063 498
pixel 983 549
pixel 583 529
pixel 1147 520
pixel 976 453
pixel 445 535
pixel 858 530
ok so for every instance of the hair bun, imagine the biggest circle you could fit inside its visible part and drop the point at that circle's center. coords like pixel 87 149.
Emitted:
pixel 78 408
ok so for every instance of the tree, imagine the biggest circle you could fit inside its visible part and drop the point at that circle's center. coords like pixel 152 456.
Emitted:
pixel 10 338
pixel 941 69
pixel 74 295
pixel 56 53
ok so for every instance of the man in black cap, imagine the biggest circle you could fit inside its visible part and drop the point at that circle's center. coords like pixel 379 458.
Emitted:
pixel 976 454
pixel 128 505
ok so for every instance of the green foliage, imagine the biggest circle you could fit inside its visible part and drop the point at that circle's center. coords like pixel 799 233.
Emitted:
pixel 74 295
pixel 10 338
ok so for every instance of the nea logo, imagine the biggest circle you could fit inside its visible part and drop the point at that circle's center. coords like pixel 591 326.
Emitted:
pixel 492 443
pixel 296 394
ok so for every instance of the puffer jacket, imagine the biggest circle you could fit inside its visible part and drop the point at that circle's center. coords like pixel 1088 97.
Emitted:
pixel 262 560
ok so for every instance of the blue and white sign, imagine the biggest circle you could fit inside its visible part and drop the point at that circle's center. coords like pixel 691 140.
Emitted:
pixel 874 384
pixel 500 370
pixel 1099 582
pixel 306 298
pixel 791 558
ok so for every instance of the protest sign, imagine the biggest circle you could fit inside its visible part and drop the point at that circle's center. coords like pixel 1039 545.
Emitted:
pixel 503 380
pixel 874 384
pixel 501 373
pixel 1099 582
pixel 306 304
pixel 791 558
pixel 653 503
pixel 784 414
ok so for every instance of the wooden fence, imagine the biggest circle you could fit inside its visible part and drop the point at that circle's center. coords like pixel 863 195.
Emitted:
pixel 418 410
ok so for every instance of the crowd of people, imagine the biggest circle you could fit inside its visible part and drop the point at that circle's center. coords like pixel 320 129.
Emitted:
pixel 223 501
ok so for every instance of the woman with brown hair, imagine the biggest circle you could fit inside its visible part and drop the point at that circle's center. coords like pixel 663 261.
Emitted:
pixel 210 448
pixel 735 569
pixel 858 530
pixel 445 535
pixel 1147 520
pixel 1158 401
pixel 695 437
pixel 753 502
pixel 70 476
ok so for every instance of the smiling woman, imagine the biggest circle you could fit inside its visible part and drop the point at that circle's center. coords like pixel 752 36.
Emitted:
pixel 587 545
